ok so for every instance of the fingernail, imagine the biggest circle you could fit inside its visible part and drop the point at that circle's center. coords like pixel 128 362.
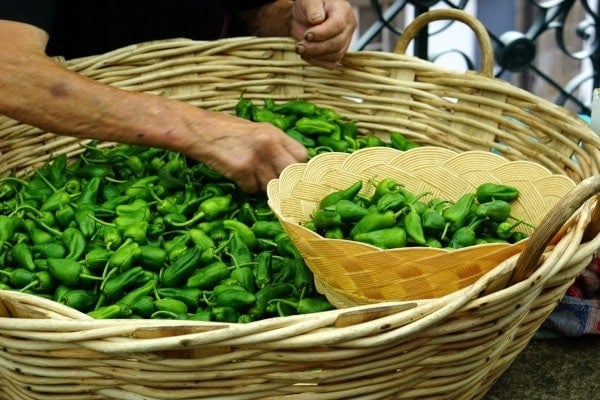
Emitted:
pixel 317 16
pixel 309 36
pixel 300 49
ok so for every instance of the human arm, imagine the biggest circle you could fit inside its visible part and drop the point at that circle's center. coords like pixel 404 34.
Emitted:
pixel 323 29
pixel 36 90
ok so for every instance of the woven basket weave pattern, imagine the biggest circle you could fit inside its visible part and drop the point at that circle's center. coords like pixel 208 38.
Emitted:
pixel 367 274
pixel 453 347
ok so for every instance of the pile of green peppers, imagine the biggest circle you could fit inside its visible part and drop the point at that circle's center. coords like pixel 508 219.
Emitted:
pixel 395 217
pixel 319 129
pixel 135 232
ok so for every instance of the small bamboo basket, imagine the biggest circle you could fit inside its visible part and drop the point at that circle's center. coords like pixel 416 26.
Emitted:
pixel 450 347
pixel 351 273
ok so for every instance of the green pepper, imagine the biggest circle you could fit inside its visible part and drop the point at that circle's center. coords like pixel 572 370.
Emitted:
pixel 208 276
pixel 136 231
pixel 124 256
pixel 111 237
pixel 244 231
pixel 23 255
pixel 457 213
pixel 57 170
pixel 236 299
pixel 224 314
pixel 385 238
pixel 465 235
pixel 391 201
pixel 152 257
pixel 267 293
pixel 495 210
pixel 169 306
pixel 309 305
pixel 115 310
pixel 433 242
pixel 400 142
pixel 433 221
pixel 315 126
pixel 75 242
pixel 245 277
pixel 238 250
pixel 80 299
pixel 182 268
pixel 347 193
pixel 19 277
pixel 134 295
pixel 414 227
pixel 326 218
pixel 285 246
pixel 95 258
pixel 189 295
pixel 201 239
pixel 137 210
pixel 89 193
pixel 114 285
pixel 37 235
pixel 303 277
pixel 89 171
pixel 281 121
pixel 139 188
pixel 301 138
pixel 112 203
pixel 492 191
pixel 58 199
pixel 64 216
pixel 144 306
pixel 373 221
pixel 266 229
pixel 54 249
pixel 263 270
pixel 386 185
pixel 226 284
pixel 296 107
pixel 505 229
pixel 69 271
pixel 338 145
pixel 176 246
pixel 8 226
pixel 370 141
pixel 209 209
pixel 84 217
pixel 244 108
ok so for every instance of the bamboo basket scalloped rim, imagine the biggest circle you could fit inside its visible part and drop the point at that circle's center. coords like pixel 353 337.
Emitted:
pixel 454 347
pixel 364 273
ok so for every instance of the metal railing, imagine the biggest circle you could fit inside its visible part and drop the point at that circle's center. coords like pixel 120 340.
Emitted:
pixel 572 26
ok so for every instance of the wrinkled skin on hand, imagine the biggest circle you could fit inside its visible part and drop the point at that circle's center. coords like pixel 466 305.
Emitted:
pixel 323 29
pixel 249 153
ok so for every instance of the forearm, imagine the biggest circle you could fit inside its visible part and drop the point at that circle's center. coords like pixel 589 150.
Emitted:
pixel 273 19
pixel 36 90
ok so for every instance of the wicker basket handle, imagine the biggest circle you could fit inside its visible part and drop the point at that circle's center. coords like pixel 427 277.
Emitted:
pixel 485 43
pixel 529 259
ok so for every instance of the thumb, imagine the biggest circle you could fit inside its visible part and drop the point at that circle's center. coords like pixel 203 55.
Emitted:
pixel 312 11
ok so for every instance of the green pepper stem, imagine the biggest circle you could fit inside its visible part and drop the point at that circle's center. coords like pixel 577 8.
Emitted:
pixel 46 181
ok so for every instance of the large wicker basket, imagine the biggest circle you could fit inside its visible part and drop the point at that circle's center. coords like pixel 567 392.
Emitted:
pixel 452 347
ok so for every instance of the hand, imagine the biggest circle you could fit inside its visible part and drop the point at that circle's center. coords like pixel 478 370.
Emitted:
pixel 323 29
pixel 249 153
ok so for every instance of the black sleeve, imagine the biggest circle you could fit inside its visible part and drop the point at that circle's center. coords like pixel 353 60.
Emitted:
pixel 40 13
pixel 242 5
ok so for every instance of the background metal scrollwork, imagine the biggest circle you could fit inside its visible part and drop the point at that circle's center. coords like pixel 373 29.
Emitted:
pixel 552 46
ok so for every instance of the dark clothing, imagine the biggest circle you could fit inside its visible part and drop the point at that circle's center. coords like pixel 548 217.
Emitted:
pixel 79 27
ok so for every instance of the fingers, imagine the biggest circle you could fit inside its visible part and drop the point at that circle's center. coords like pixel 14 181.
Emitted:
pixel 254 155
pixel 326 43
